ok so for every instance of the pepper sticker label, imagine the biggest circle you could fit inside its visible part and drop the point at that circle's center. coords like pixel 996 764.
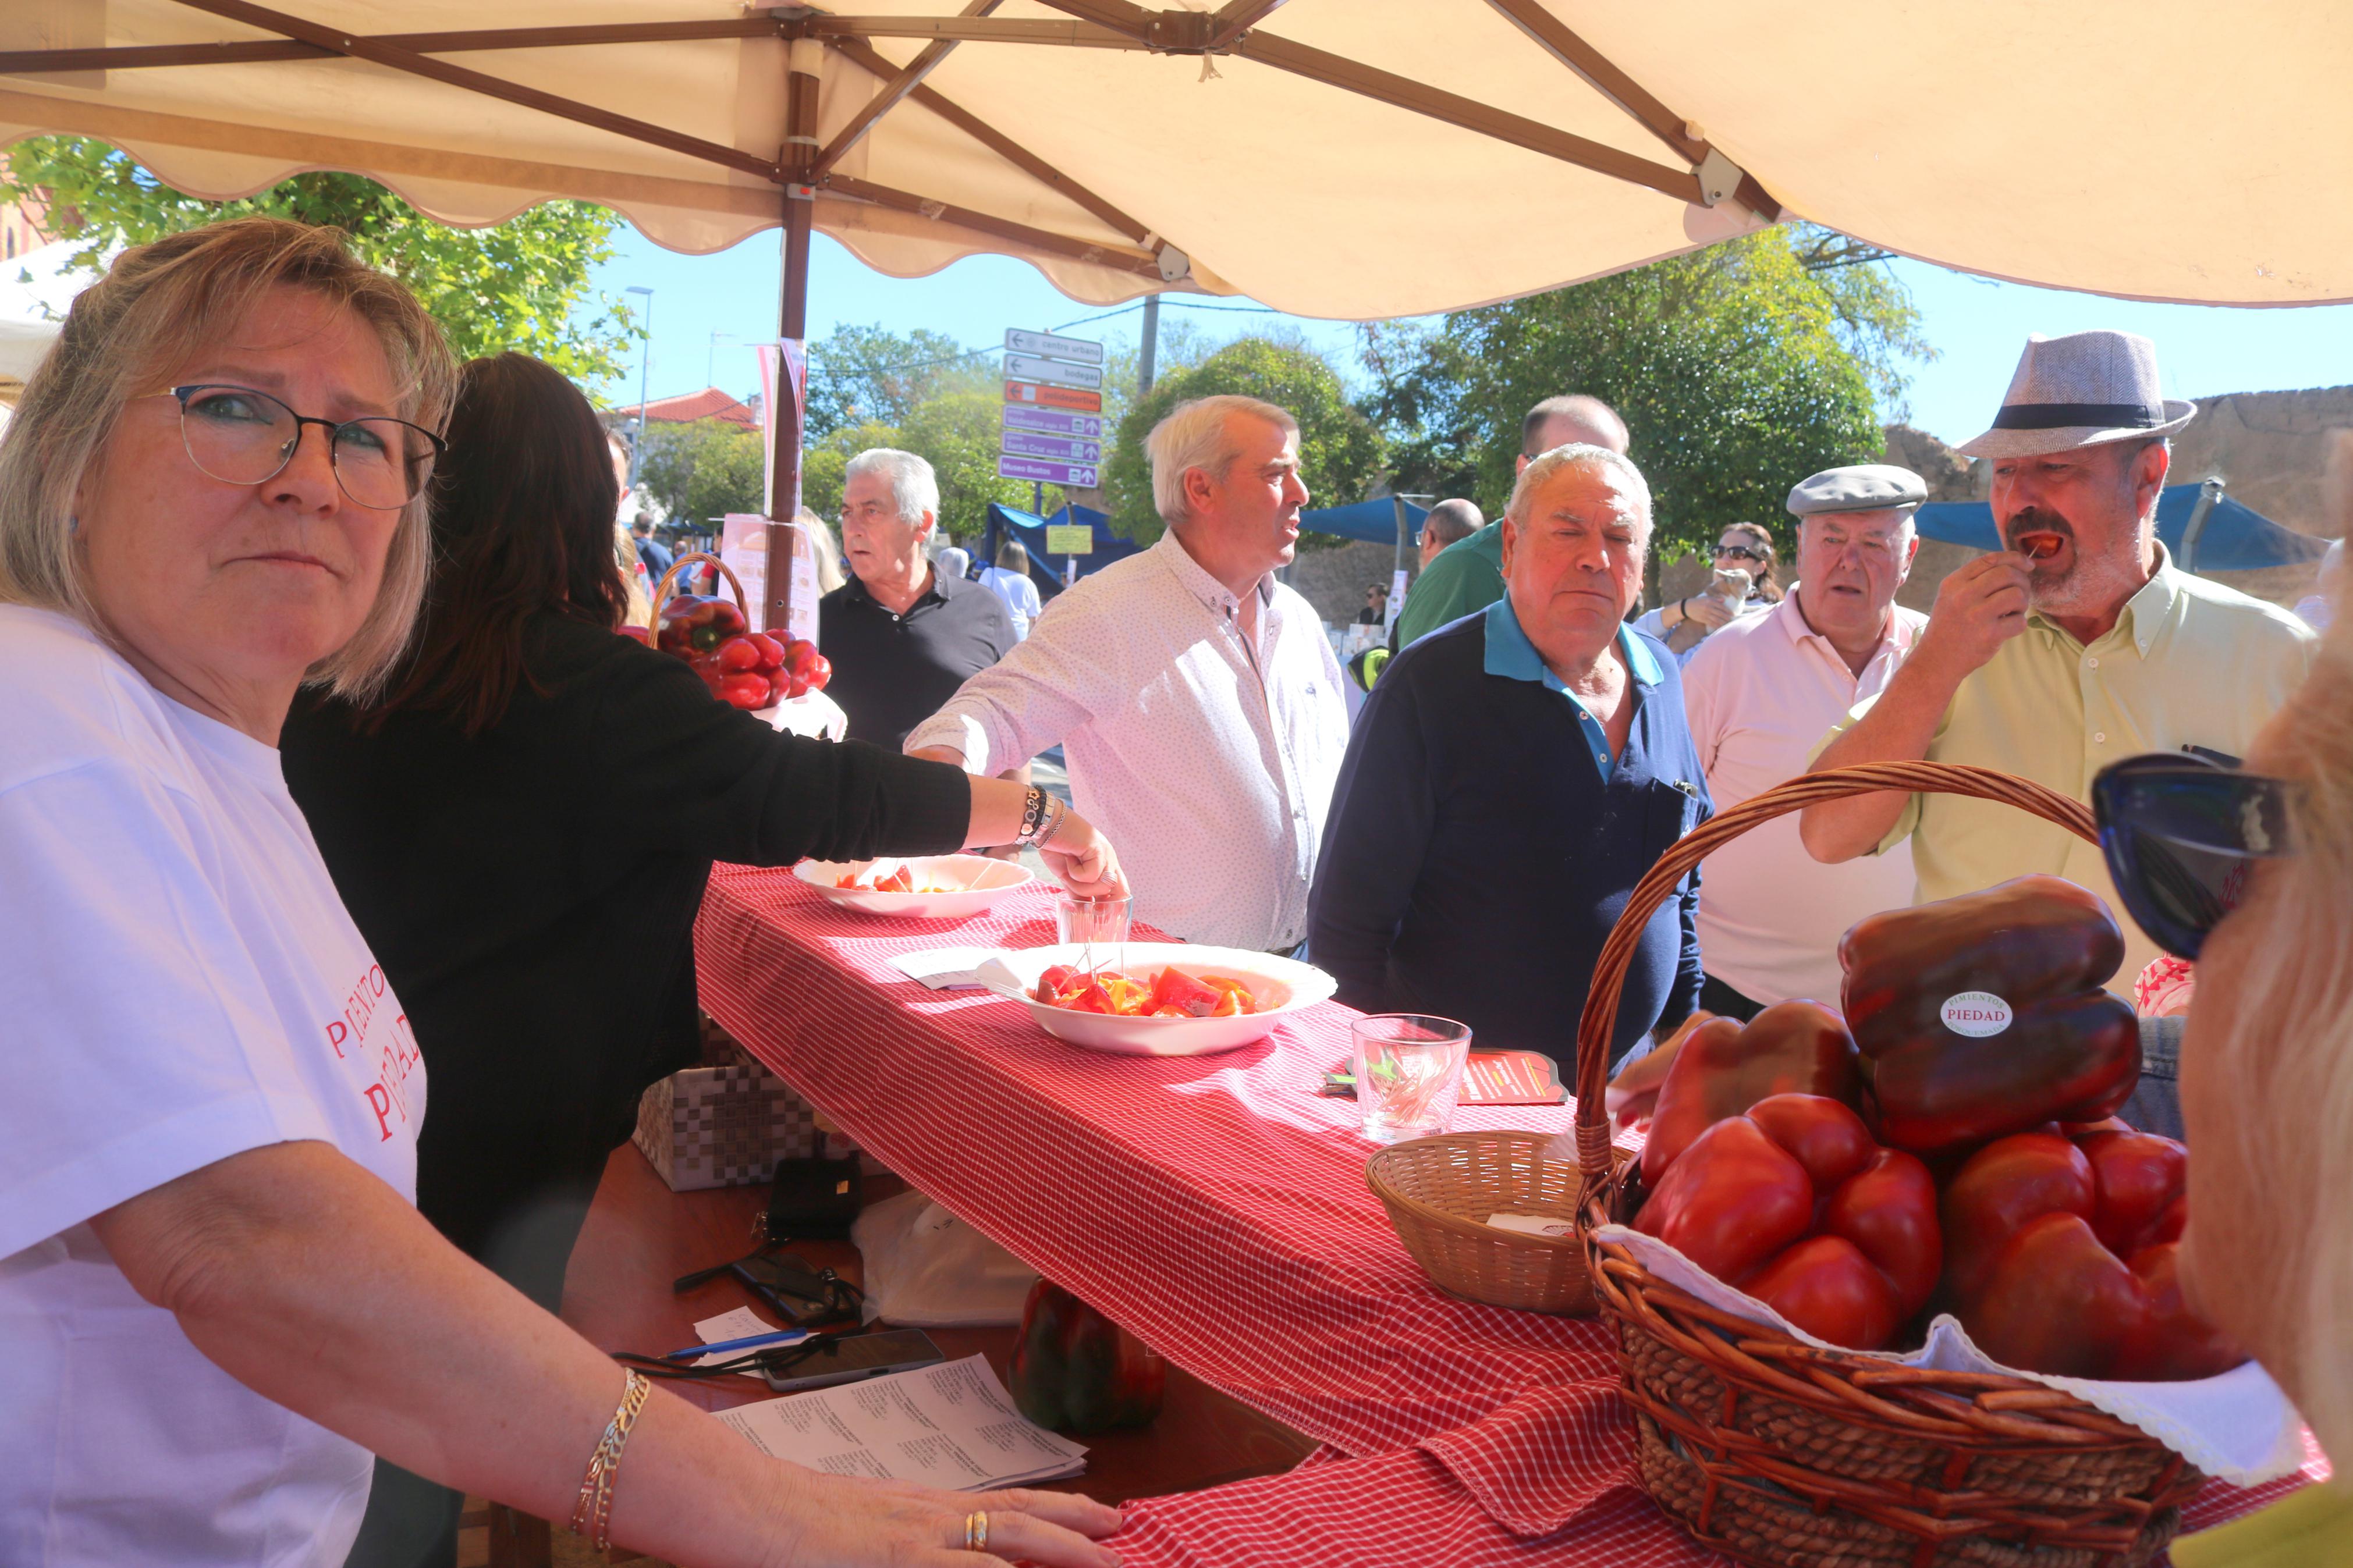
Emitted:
pixel 1976 1014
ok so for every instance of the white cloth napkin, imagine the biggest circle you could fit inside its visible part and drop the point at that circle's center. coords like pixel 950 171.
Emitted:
pixel 2239 1426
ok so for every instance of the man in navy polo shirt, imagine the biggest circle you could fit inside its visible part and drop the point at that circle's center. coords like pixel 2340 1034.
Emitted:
pixel 1512 776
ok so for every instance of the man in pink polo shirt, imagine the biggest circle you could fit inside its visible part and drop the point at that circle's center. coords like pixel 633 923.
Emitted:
pixel 1760 694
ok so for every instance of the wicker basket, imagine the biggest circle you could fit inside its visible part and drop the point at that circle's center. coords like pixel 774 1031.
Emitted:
pixel 664 589
pixel 1776 1452
pixel 1440 1191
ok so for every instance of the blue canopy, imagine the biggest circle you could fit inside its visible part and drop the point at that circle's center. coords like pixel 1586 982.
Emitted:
pixel 1374 521
pixel 1028 528
pixel 2234 538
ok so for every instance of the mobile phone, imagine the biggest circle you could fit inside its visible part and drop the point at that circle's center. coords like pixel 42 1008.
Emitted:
pixel 856 1357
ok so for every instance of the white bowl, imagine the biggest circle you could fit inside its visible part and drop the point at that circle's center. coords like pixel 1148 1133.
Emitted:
pixel 1281 985
pixel 985 881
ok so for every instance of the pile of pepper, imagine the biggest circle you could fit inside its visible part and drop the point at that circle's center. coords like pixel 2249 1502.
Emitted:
pixel 1171 993
pixel 1948 1146
pixel 744 669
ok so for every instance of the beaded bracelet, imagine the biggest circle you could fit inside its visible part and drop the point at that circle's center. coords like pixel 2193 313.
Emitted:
pixel 1056 812
pixel 1033 812
pixel 592 1515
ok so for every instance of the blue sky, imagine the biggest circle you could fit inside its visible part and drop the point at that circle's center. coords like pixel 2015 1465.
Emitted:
pixel 1976 325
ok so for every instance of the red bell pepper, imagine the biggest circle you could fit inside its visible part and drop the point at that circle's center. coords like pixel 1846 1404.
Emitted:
pixel 1172 987
pixel 1074 1370
pixel 1723 1068
pixel 747 690
pixel 1793 1203
pixel 1981 1015
pixel 2064 1257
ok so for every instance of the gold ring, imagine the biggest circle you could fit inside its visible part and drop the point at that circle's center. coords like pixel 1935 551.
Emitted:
pixel 976 1531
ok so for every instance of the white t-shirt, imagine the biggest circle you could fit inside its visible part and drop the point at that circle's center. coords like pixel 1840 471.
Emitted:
pixel 1019 593
pixel 179 983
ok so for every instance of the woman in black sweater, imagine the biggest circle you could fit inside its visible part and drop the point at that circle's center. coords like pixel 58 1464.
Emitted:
pixel 522 828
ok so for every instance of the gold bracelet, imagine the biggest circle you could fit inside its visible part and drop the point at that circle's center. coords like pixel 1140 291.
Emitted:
pixel 592 1516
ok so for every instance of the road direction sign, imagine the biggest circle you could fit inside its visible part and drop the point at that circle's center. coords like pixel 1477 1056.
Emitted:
pixel 1028 367
pixel 1053 396
pixel 1069 539
pixel 1052 422
pixel 1021 444
pixel 1049 346
pixel 1038 470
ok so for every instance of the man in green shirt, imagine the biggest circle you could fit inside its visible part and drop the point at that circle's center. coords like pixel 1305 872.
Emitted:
pixel 2077 646
pixel 1468 575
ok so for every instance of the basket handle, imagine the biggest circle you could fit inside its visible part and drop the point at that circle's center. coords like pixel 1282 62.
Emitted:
pixel 665 589
pixel 1601 998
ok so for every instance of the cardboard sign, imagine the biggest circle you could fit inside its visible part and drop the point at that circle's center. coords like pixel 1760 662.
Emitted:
pixel 744 546
pixel 1069 539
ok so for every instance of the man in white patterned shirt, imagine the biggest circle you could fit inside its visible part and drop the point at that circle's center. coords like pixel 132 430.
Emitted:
pixel 1195 698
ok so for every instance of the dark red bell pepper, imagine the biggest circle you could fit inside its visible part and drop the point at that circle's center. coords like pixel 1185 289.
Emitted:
pixel 2064 1256
pixel 1074 1370
pixel 1793 1203
pixel 1981 1015
pixel 1723 1068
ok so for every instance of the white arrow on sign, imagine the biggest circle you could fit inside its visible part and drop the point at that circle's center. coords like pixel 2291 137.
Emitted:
pixel 1051 347
pixel 1053 372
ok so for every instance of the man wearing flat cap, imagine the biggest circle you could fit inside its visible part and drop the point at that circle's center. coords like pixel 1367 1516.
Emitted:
pixel 2077 645
pixel 1760 693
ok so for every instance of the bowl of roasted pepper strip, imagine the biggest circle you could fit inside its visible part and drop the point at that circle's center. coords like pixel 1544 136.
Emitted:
pixel 1156 998
pixel 931 888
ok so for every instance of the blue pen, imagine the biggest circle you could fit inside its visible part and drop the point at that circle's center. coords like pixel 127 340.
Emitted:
pixel 782 1337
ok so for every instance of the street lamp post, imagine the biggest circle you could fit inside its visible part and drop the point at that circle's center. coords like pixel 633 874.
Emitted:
pixel 645 358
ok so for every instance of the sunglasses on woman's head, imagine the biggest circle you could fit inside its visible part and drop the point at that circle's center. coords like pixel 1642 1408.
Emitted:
pixel 2181 834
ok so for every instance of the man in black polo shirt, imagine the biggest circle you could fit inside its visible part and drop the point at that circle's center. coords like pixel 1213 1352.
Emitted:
pixel 901 638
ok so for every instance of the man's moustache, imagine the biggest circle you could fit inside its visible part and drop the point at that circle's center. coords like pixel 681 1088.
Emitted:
pixel 2036 519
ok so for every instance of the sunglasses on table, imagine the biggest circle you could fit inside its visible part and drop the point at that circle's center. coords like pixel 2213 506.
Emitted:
pixel 1739 552
pixel 2182 832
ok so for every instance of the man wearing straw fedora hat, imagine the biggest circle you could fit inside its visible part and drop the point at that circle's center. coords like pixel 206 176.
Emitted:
pixel 2077 644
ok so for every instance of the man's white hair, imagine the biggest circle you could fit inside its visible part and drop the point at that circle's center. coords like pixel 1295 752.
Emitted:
pixel 1195 435
pixel 1576 454
pixel 914 488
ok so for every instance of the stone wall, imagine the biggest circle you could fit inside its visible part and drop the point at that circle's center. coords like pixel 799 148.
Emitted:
pixel 1333 580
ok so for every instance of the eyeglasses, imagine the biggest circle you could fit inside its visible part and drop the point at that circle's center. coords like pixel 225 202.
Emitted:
pixel 1739 553
pixel 241 437
pixel 2181 834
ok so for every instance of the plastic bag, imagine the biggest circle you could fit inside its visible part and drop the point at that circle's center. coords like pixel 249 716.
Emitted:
pixel 925 1268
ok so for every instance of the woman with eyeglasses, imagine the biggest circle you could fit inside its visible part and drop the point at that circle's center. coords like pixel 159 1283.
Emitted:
pixel 521 827
pixel 2246 872
pixel 217 1297
pixel 1742 547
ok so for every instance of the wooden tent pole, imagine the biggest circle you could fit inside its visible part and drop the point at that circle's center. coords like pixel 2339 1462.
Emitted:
pixel 792 324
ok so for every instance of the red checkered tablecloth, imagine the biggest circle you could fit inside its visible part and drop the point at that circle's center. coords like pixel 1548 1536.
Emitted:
pixel 1217 1208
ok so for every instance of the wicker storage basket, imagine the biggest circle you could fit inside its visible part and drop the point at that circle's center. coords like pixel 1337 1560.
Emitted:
pixel 1440 1191
pixel 1776 1452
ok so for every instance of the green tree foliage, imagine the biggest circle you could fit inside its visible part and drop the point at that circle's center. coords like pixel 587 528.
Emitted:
pixel 956 432
pixel 1739 370
pixel 514 286
pixel 871 375
pixel 1340 451
pixel 703 471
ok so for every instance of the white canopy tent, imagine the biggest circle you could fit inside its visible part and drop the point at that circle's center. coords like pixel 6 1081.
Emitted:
pixel 35 289
pixel 1342 158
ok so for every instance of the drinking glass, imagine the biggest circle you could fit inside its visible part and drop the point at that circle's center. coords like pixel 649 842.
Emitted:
pixel 1408 1073
pixel 1097 927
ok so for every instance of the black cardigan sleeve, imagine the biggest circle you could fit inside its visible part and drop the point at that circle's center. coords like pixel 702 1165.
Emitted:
pixel 659 749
